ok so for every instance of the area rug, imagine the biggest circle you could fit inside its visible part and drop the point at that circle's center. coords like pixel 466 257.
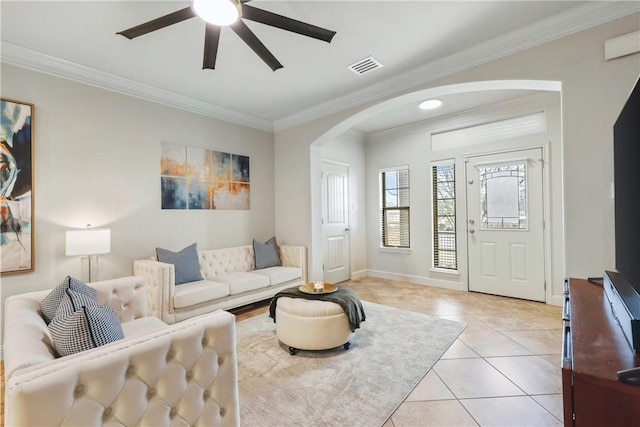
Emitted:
pixel 389 355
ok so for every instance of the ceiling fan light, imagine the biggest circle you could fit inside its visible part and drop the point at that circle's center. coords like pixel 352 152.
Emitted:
pixel 430 104
pixel 217 12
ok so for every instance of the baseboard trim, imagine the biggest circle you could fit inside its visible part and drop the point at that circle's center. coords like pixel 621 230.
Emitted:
pixel 418 280
pixel 355 275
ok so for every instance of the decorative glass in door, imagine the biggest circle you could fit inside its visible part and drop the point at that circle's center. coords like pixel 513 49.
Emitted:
pixel 503 196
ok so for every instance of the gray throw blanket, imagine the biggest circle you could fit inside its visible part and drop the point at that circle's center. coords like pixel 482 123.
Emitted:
pixel 345 297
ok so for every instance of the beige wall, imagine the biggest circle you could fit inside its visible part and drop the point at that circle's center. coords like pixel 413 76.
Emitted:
pixel 593 92
pixel 97 157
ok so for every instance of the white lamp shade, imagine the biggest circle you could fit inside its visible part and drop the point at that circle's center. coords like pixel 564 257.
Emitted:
pixel 88 242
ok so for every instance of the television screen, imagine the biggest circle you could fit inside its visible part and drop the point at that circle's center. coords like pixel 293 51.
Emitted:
pixel 626 158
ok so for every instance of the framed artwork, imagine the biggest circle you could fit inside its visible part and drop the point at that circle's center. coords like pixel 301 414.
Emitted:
pixel 200 179
pixel 16 187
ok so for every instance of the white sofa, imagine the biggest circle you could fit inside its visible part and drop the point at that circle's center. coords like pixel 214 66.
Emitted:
pixel 229 280
pixel 158 375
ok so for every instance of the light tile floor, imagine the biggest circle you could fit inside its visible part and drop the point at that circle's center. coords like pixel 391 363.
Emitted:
pixel 503 370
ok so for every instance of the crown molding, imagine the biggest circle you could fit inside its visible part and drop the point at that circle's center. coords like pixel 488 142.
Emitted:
pixel 568 22
pixel 21 57
pixel 576 19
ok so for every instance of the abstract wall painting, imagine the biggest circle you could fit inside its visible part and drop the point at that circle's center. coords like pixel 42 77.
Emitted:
pixel 16 187
pixel 199 179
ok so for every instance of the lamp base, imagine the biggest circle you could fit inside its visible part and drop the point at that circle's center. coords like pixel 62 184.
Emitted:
pixel 89 266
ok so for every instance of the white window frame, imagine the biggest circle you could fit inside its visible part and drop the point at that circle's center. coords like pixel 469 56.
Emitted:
pixel 435 219
pixel 381 192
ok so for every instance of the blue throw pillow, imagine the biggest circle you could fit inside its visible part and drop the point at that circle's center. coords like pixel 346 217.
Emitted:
pixel 187 267
pixel 82 323
pixel 266 254
pixel 49 305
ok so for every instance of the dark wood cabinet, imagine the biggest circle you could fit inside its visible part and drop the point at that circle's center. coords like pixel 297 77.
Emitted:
pixel 594 349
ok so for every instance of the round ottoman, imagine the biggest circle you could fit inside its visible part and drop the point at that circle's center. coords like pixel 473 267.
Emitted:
pixel 304 324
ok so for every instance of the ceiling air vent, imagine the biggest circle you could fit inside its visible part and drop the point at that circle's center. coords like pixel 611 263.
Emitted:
pixel 365 65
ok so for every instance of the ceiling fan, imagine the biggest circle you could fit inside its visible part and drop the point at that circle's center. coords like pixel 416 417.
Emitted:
pixel 231 14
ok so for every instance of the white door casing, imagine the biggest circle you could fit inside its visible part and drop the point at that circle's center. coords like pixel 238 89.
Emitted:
pixel 505 224
pixel 335 222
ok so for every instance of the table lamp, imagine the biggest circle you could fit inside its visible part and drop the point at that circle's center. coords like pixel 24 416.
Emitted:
pixel 89 243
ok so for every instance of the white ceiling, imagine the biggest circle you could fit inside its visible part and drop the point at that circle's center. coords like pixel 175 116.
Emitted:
pixel 413 39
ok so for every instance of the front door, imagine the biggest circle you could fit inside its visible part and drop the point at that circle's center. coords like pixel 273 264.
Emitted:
pixel 505 226
pixel 335 222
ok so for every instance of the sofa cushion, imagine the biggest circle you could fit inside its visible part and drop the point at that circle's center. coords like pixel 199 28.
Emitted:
pixel 198 292
pixel 49 305
pixel 187 267
pixel 82 323
pixel 266 254
pixel 242 282
pixel 279 275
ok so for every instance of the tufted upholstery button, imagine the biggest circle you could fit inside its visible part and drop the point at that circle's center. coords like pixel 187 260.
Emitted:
pixel 220 360
pixel 107 412
pixel 114 292
pixel 222 412
pixel 205 341
pixel 173 412
pixel 131 370
pixel 206 394
pixel 189 375
pixel 124 305
pixel 170 355
pixel 151 392
pixel 79 389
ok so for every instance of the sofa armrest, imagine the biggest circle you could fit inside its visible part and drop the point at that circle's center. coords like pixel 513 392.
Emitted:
pixel 160 279
pixel 294 256
pixel 126 295
pixel 182 374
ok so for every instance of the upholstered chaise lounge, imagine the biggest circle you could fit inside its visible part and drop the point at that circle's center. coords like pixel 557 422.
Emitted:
pixel 157 375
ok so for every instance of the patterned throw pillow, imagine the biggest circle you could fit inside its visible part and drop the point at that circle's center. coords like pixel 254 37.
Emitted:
pixel 82 323
pixel 49 305
pixel 266 254
pixel 185 262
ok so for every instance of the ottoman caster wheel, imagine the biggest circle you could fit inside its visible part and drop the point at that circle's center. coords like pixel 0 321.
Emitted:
pixel 293 351
pixel 347 345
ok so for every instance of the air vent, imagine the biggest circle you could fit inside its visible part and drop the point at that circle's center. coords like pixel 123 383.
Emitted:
pixel 365 65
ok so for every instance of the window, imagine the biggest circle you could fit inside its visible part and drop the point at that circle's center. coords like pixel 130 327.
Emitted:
pixel 445 252
pixel 503 196
pixel 394 185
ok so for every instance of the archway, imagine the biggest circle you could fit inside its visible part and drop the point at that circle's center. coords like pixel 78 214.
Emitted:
pixel 315 252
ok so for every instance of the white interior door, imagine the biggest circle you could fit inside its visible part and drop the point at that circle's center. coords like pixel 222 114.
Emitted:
pixel 335 222
pixel 505 215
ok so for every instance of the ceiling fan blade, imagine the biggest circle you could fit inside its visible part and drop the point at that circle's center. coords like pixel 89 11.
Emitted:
pixel 284 23
pixel 156 24
pixel 241 29
pixel 211 41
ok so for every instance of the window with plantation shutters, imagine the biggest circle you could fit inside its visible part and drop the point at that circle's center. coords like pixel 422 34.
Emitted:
pixel 394 185
pixel 445 251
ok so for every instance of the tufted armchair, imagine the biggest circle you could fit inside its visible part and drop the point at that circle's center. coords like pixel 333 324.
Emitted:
pixel 158 375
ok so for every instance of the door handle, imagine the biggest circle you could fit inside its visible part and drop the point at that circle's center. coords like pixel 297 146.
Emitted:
pixel 472 231
pixel 347 229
